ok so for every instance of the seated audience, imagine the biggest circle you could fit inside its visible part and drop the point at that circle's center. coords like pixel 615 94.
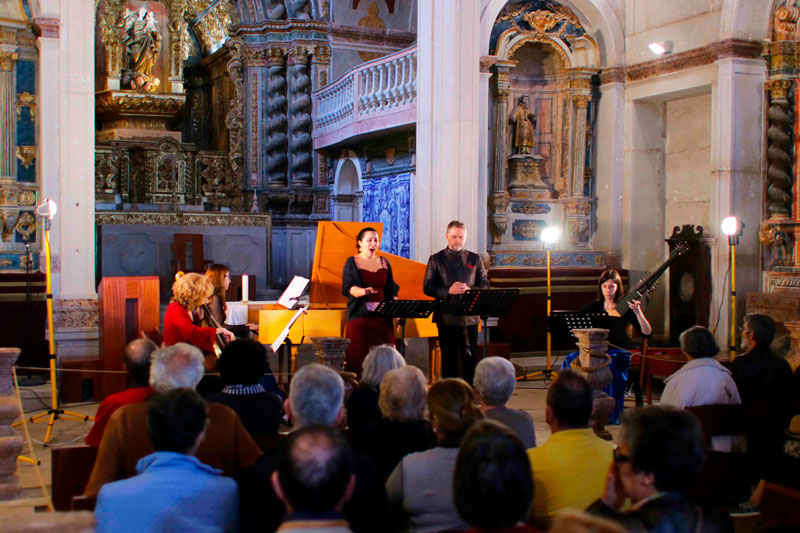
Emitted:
pixel 491 485
pixel 172 490
pixel 316 396
pixel 569 470
pixel 760 375
pixel 314 480
pixel 421 487
pixel 402 429
pixel 227 445
pixel 137 363
pixel 495 379
pixel 362 406
pixel 241 366
pixel 701 381
pixel 660 453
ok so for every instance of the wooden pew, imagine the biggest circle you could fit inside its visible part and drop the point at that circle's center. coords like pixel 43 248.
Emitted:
pixel 71 468
pixel 780 505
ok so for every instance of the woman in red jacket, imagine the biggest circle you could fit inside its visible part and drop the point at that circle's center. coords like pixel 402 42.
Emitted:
pixel 189 292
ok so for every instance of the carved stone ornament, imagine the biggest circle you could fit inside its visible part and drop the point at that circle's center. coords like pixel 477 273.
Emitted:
pixel 183 219
pixel 498 202
pixel 13 194
pixel 26 155
pixel 166 105
pixel 786 23
pixel 498 224
pixel 525 180
pixel 778 88
pixel 7 60
pixel 26 100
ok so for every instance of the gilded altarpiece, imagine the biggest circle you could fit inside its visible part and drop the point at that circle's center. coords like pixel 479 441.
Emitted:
pixel 543 75
pixel 781 228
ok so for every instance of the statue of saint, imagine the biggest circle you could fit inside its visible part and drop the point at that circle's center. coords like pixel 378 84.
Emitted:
pixel 524 122
pixel 142 46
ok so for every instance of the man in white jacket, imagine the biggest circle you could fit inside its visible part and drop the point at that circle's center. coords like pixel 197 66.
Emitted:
pixel 701 381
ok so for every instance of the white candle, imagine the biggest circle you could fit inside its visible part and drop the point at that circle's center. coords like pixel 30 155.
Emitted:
pixel 245 288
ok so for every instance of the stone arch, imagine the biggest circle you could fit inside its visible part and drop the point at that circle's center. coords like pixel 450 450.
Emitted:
pixel 598 17
pixel 746 19
pixel 348 189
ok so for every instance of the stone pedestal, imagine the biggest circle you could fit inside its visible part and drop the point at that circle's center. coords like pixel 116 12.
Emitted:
pixel 128 115
pixel 10 441
pixel 524 177
pixel 330 351
pixel 592 363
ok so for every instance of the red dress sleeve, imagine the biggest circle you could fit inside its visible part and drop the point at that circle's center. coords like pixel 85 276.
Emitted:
pixel 178 327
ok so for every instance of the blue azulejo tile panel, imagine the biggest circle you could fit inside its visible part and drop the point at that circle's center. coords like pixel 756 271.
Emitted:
pixel 557 259
pixel 26 173
pixel 12 261
pixel 26 132
pixel 530 208
pixel 387 199
pixel 527 230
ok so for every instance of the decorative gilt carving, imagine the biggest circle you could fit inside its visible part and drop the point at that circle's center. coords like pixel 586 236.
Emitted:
pixel 542 21
pixel 14 194
pixel 786 23
pixel 234 119
pixel 26 155
pixel 371 20
pixel 778 243
pixel 778 88
pixel 581 100
pixel 26 100
pixel 26 225
pixel 498 224
pixel 133 103
pixel 183 219
pixel 7 60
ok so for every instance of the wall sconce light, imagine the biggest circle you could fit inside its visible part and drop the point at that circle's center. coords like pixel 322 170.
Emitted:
pixel 661 48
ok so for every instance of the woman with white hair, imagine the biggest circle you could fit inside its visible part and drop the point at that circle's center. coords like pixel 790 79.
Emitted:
pixel 494 382
pixel 402 429
pixel 362 406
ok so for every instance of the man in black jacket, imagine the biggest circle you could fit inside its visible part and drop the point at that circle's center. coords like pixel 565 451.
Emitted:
pixel 450 273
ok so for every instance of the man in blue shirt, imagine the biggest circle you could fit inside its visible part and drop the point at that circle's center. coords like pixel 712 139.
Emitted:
pixel 173 491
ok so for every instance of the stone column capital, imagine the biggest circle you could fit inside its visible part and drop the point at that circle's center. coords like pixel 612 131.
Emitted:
pixel 275 56
pixel 778 88
pixel 298 54
pixel 321 55
pixel 7 60
pixel 46 27
pixel 581 101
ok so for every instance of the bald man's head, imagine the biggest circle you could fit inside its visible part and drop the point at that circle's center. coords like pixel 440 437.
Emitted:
pixel 137 360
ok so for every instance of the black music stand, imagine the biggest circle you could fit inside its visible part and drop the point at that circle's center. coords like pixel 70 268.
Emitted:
pixel 486 303
pixel 561 323
pixel 403 309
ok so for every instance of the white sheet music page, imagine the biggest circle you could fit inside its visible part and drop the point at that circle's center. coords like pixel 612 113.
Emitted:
pixel 293 292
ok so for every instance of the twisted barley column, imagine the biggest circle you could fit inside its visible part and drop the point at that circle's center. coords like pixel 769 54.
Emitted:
pixel 779 177
pixel 277 140
pixel 300 121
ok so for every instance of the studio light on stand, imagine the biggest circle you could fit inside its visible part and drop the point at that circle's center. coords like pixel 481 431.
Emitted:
pixel 549 236
pixel 733 228
pixel 47 210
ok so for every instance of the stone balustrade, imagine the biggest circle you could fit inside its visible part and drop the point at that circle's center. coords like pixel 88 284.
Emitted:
pixel 376 95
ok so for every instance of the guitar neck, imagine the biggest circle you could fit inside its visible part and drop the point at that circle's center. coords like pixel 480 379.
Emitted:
pixel 646 285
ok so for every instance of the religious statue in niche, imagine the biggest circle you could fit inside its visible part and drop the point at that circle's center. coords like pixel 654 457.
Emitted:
pixel 142 46
pixel 524 121
pixel 525 180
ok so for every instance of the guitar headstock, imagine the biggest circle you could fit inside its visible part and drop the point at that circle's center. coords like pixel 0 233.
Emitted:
pixel 680 249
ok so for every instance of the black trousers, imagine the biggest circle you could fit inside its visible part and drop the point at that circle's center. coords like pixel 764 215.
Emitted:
pixel 453 346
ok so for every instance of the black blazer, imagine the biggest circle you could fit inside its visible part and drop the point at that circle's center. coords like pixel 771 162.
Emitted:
pixel 357 307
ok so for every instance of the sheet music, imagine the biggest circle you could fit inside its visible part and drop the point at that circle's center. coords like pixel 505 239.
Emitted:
pixel 293 292
pixel 277 344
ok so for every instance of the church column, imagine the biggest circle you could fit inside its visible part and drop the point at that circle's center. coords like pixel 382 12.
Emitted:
pixel 581 93
pixel 300 163
pixel 446 182
pixel 75 219
pixel 8 125
pixel 498 201
pixel 737 141
pixel 276 118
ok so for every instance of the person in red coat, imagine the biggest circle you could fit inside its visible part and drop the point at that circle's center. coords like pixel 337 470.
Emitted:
pixel 189 292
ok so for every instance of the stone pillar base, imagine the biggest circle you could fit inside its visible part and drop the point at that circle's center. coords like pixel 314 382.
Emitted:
pixel 524 177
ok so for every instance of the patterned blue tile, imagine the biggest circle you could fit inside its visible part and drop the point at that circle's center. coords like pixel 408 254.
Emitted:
pixel 388 200
pixel 10 261
pixel 26 77
pixel 557 259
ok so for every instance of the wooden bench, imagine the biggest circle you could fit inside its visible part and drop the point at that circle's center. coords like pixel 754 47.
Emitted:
pixel 780 505
pixel 733 474
pixel 71 468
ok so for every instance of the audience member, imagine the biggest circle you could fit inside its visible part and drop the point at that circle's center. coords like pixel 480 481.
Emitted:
pixel 241 366
pixel 362 406
pixel 491 485
pixel 495 379
pixel 316 396
pixel 314 480
pixel 660 453
pixel 761 376
pixel 701 381
pixel 569 470
pixel 137 363
pixel 421 486
pixel 227 445
pixel 173 489
pixel 402 429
